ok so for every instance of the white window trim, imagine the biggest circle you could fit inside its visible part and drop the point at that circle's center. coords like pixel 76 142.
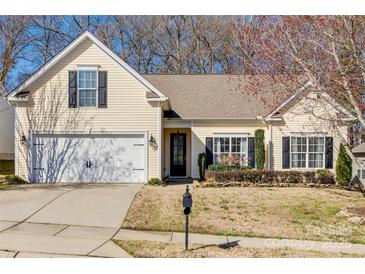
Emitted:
pixel 307 136
pixel 230 136
pixel 88 68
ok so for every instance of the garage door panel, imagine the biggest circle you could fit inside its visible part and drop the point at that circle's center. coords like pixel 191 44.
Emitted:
pixel 84 159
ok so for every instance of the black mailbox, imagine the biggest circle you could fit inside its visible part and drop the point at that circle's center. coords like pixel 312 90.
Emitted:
pixel 187 200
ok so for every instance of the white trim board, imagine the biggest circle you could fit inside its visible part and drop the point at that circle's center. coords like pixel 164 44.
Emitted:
pixel 69 48
pixel 323 95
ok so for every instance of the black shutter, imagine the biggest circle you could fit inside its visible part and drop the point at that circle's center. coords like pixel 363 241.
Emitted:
pixel 251 152
pixel 72 89
pixel 329 152
pixel 286 152
pixel 209 150
pixel 103 83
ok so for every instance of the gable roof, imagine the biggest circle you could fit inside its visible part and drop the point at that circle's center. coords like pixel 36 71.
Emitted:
pixel 301 92
pixel 359 149
pixel 70 47
pixel 219 96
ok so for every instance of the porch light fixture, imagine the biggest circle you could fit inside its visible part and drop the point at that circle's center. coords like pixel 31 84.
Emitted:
pixel 23 140
pixel 152 141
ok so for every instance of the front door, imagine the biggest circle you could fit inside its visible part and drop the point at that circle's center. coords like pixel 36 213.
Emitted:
pixel 178 154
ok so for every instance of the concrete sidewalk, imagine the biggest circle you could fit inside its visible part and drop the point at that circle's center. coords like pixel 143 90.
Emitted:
pixel 177 237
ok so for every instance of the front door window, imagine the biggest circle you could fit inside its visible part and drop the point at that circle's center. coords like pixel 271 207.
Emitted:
pixel 178 154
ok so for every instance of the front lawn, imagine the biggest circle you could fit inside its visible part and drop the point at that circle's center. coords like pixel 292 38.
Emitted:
pixel 292 212
pixel 147 249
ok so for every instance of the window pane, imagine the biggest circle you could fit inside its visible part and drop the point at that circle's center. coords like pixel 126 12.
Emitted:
pixel 93 79
pixel 316 144
pixel 359 173
pixel 81 79
pixel 87 98
pixel 87 79
pixel 298 144
pixel 363 174
pixel 236 144
pixel 224 145
pixel 298 160
pixel 315 160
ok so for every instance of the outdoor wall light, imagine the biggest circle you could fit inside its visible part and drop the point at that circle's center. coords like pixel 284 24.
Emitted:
pixel 152 141
pixel 23 140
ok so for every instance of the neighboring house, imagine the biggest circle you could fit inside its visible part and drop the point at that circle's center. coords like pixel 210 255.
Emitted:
pixel 358 165
pixel 6 127
pixel 87 116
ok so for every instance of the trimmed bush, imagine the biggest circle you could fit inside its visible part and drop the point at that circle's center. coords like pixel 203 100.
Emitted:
pixel 202 163
pixel 343 167
pixel 13 179
pixel 270 177
pixel 220 167
pixel 155 182
pixel 260 148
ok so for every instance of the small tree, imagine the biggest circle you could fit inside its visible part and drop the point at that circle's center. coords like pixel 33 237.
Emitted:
pixel 343 167
pixel 260 148
pixel 202 163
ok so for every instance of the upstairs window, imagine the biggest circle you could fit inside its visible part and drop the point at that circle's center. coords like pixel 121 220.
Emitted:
pixel 87 87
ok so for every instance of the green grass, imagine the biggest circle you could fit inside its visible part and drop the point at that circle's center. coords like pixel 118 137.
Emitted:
pixel 6 167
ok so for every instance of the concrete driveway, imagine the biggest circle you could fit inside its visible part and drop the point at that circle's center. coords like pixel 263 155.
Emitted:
pixel 63 220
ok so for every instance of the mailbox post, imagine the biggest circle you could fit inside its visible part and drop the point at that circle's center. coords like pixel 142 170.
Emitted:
pixel 187 204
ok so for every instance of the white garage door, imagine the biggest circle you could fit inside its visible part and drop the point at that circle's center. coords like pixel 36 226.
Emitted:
pixel 89 158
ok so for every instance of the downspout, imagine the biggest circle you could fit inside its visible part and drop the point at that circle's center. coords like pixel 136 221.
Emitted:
pixel 159 147
pixel 270 146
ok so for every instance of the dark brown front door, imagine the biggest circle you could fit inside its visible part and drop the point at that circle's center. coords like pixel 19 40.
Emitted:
pixel 178 154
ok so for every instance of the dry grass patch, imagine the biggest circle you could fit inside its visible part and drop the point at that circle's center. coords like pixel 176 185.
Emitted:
pixel 297 213
pixel 148 249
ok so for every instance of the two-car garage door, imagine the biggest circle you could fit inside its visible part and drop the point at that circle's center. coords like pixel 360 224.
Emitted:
pixel 89 158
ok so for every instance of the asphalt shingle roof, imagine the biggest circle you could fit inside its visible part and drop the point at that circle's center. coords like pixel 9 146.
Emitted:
pixel 221 96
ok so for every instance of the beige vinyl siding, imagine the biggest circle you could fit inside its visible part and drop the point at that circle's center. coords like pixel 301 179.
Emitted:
pixel 358 163
pixel 298 120
pixel 167 151
pixel 128 109
pixel 201 130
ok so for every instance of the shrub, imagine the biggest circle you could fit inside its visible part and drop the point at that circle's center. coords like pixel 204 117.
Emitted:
pixel 260 148
pixel 343 167
pixel 220 167
pixel 271 177
pixel 290 177
pixel 310 177
pixel 13 179
pixel 326 178
pixel 155 181
pixel 202 163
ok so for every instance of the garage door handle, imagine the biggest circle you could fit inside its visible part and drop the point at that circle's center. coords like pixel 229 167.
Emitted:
pixel 38 168
pixel 138 168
